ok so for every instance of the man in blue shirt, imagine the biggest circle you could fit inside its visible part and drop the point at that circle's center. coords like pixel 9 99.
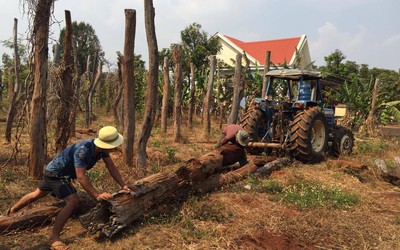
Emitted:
pixel 72 163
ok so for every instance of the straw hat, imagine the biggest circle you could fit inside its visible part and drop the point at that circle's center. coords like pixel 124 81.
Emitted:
pixel 108 138
pixel 242 137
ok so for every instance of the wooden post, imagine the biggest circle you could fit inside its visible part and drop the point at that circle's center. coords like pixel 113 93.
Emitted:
pixel 128 83
pixel 65 92
pixel 233 117
pixel 192 98
pixel 164 109
pixel 151 103
pixel 266 69
pixel 208 98
pixel 177 56
pixel 38 138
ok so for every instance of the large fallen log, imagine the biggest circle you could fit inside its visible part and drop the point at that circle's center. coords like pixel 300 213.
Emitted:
pixel 196 175
pixel 36 217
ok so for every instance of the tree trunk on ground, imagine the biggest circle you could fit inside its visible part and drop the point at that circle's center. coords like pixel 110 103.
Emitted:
pixel 177 56
pixel 17 85
pixel 197 175
pixel 128 84
pixel 151 88
pixel 164 112
pixel 370 125
pixel 207 99
pixel 34 218
pixel 66 92
pixel 266 69
pixel 192 98
pixel 37 143
pixel 237 88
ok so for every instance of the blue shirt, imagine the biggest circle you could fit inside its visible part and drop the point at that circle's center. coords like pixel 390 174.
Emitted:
pixel 78 155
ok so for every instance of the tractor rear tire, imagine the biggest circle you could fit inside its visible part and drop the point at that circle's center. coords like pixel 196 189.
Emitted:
pixel 309 135
pixel 252 120
pixel 343 141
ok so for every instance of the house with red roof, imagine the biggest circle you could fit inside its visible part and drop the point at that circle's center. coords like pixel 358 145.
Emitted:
pixel 293 52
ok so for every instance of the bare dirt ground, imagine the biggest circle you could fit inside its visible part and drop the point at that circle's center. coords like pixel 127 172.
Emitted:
pixel 251 214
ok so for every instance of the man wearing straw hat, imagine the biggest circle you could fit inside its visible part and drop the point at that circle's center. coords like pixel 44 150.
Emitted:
pixel 72 163
pixel 232 142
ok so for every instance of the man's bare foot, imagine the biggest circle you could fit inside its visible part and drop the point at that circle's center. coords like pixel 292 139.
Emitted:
pixel 58 245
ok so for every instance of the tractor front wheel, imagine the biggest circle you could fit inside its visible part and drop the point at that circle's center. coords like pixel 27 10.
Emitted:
pixel 343 141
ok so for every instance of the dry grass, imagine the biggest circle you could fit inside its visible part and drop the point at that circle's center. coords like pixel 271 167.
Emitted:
pixel 233 217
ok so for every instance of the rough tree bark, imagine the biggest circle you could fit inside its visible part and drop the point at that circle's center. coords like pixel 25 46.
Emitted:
pixel 370 125
pixel 128 84
pixel 76 85
pixel 65 91
pixel 37 142
pixel 151 88
pixel 207 99
pixel 266 69
pixel 91 80
pixel 1 87
pixel 192 99
pixel 96 81
pixel 164 109
pixel 118 97
pixel 177 56
pixel 237 88
pixel 17 85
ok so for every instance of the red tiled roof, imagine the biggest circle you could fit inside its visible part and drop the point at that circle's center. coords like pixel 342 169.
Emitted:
pixel 282 50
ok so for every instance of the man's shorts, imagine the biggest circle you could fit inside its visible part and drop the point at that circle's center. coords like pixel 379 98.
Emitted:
pixel 57 186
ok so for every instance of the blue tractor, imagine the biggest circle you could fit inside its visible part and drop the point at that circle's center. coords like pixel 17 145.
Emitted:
pixel 292 118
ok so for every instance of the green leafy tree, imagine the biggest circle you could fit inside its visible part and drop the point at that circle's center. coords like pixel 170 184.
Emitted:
pixel 197 47
pixel 357 87
pixel 87 43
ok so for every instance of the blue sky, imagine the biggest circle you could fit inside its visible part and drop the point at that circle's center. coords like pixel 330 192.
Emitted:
pixel 366 31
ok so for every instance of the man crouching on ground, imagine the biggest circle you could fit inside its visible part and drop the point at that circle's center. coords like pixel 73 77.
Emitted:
pixel 72 163
pixel 232 142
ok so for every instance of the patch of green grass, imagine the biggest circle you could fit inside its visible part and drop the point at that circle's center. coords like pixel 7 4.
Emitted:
pixel 271 186
pixel 311 194
pixel 262 185
pixel 370 147
pixel 158 143
pixel 154 168
pixel 170 152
